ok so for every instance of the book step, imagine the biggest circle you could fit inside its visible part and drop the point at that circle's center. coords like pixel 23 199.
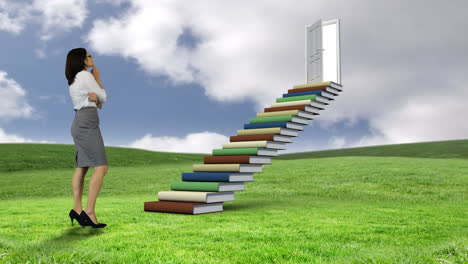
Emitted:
pixel 182 207
pixel 217 176
pixel 236 159
pixel 273 130
pixel 268 137
pixel 299 113
pixel 255 144
pixel 308 108
pixel 228 167
pixel 245 151
pixel 207 186
pixel 192 196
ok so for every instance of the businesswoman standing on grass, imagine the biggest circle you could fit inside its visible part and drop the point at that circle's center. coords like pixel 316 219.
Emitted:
pixel 87 94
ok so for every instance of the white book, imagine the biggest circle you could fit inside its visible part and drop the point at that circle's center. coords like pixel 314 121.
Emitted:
pixel 191 196
pixel 317 104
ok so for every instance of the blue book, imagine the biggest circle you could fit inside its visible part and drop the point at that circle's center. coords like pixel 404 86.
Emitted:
pixel 216 176
pixel 284 124
pixel 265 125
pixel 302 93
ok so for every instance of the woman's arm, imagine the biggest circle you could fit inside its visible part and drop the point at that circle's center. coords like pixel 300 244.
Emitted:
pixel 95 88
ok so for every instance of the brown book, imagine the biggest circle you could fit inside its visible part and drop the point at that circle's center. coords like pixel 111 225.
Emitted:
pixel 236 159
pixel 284 108
pixel 307 89
pixel 251 137
pixel 183 207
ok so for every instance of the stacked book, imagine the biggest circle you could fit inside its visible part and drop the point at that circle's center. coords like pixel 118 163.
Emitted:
pixel 209 185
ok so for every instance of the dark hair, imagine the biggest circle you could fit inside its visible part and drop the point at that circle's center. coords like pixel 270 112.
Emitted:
pixel 75 63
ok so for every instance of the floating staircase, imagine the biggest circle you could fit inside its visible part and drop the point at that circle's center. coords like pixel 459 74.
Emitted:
pixel 228 169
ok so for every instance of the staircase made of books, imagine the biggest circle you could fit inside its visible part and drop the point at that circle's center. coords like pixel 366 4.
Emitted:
pixel 210 184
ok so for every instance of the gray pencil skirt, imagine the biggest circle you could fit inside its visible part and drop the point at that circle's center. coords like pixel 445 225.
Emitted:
pixel 89 146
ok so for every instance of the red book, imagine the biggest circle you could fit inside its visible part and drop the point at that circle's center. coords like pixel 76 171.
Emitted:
pixel 307 89
pixel 237 159
pixel 183 207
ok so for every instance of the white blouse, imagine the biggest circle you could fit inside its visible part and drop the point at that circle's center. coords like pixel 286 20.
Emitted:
pixel 84 83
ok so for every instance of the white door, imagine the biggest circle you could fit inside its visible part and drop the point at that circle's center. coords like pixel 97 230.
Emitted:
pixel 314 53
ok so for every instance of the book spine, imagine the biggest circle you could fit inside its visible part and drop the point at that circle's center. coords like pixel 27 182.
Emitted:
pixel 170 207
pixel 278 113
pixel 307 85
pixel 235 151
pixel 258 131
pixel 307 89
pixel 216 167
pixel 284 108
pixel 206 176
pixel 265 125
pixel 300 102
pixel 195 186
pixel 228 159
pixel 302 93
pixel 268 137
pixel 270 119
pixel 182 196
pixel 245 144
pixel 296 98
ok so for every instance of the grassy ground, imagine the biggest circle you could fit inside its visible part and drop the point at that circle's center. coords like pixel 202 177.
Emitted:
pixel 329 210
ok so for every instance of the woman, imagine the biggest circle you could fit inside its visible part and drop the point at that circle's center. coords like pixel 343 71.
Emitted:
pixel 87 94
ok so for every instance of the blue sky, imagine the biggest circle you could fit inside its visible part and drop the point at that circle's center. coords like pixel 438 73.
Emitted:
pixel 184 78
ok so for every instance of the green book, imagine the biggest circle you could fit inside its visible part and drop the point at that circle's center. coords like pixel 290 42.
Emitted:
pixel 296 98
pixel 270 119
pixel 195 186
pixel 235 151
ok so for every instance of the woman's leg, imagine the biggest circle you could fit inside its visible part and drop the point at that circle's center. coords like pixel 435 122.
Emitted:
pixel 94 188
pixel 77 187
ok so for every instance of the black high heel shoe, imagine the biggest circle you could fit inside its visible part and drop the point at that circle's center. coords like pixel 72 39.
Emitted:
pixel 74 215
pixel 88 222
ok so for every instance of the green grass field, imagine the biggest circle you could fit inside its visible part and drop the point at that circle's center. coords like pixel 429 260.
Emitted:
pixel 386 204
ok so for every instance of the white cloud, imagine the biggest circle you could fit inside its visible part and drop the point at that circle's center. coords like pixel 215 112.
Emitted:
pixel 13 16
pixel 203 142
pixel 254 50
pixel 10 138
pixel 58 16
pixel 54 17
pixel 13 103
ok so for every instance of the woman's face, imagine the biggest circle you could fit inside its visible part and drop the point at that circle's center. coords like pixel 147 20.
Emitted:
pixel 89 60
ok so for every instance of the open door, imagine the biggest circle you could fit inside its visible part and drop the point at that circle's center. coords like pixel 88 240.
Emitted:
pixel 323 61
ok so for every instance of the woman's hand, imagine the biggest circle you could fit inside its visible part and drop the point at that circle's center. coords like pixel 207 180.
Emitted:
pixel 93 97
pixel 95 72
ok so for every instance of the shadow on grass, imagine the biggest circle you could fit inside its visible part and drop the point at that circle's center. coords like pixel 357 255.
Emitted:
pixel 44 251
pixel 251 206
